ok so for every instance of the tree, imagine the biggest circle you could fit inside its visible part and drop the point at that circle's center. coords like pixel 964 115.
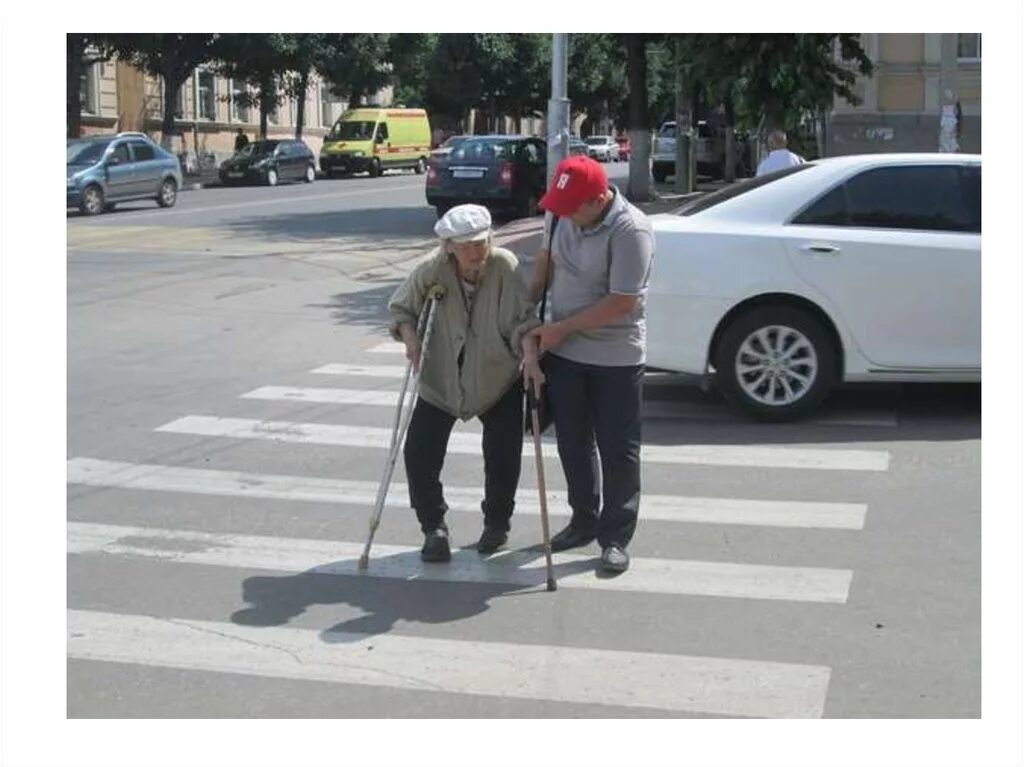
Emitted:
pixel 171 57
pixel 354 64
pixel 520 81
pixel 597 77
pixel 261 61
pixel 639 188
pixel 454 81
pixel 84 50
pixel 409 57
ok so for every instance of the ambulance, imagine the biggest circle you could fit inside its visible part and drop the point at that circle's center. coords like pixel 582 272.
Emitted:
pixel 374 140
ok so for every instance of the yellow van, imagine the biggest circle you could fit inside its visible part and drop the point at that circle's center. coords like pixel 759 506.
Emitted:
pixel 374 140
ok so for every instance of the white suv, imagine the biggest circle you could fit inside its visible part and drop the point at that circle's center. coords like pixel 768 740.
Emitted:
pixel 602 148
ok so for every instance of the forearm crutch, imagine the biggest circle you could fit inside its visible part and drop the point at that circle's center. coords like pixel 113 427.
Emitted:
pixel 403 415
pixel 531 399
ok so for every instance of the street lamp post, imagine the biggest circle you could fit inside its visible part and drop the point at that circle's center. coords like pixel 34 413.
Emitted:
pixel 558 105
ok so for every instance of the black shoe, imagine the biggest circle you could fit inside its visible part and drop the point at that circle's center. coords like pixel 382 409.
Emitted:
pixel 491 539
pixel 436 547
pixel 614 559
pixel 571 538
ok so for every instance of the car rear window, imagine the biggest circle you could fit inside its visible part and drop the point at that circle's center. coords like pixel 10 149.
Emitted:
pixel 735 190
pixel 483 150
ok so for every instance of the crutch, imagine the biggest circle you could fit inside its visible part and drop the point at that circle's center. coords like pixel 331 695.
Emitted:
pixel 403 415
pixel 531 398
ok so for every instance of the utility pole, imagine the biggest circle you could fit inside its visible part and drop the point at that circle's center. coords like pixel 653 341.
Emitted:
pixel 684 180
pixel 558 105
pixel 948 95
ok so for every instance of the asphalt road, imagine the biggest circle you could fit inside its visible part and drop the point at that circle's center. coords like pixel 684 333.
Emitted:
pixel 230 389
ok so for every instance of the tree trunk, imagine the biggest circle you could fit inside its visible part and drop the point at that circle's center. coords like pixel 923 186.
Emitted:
pixel 300 105
pixel 729 171
pixel 639 188
pixel 268 96
pixel 172 85
pixel 76 54
pixel 683 179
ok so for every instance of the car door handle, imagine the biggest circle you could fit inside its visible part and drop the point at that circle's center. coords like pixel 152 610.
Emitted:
pixel 821 248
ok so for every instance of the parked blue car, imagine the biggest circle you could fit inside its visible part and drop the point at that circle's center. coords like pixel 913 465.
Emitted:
pixel 106 170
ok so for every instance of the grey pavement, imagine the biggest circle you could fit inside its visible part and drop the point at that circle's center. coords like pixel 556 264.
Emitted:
pixel 242 537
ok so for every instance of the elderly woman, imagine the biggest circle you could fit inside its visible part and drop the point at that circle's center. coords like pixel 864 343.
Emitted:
pixel 478 345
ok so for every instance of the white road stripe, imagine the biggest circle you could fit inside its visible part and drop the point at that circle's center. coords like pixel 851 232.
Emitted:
pixel 469 444
pixel 726 687
pixel 388 347
pixel 371 371
pixel 662 508
pixel 520 568
pixel 653 409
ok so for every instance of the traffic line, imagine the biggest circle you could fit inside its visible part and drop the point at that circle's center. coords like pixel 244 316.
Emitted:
pixel 388 347
pixel 371 371
pixel 469 444
pixel 523 568
pixel 653 409
pixel 720 686
pixel 660 508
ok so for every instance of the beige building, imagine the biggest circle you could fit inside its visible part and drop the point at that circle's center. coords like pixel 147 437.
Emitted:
pixel 902 101
pixel 118 97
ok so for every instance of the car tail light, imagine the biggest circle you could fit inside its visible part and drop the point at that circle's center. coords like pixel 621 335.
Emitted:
pixel 507 174
pixel 432 175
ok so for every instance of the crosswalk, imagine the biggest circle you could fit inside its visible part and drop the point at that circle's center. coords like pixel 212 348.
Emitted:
pixel 547 666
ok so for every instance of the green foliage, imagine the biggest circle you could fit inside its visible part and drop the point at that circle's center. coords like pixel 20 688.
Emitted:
pixel 597 76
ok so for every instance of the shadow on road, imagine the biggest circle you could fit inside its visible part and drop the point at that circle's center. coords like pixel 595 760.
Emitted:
pixel 388 223
pixel 364 307
pixel 274 601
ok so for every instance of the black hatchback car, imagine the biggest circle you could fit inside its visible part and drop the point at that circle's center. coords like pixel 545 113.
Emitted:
pixel 500 172
pixel 268 162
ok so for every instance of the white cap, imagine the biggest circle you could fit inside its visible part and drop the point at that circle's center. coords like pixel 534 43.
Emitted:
pixel 464 223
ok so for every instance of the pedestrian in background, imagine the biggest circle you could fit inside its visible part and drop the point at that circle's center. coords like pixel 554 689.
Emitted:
pixel 595 349
pixel 241 141
pixel 478 345
pixel 779 156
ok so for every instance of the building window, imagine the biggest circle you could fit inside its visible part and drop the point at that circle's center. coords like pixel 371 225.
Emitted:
pixel 968 47
pixel 330 106
pixel 207 96
pixel 89 91
pixel 239 102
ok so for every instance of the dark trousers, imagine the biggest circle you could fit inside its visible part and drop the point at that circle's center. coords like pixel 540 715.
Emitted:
pixel 427 443
pixel 597 415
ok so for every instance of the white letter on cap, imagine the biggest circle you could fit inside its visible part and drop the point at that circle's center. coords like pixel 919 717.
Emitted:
pixel 563 181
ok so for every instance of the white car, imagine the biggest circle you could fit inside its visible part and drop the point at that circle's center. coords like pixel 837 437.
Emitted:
pixel 603 148
pixel 862 268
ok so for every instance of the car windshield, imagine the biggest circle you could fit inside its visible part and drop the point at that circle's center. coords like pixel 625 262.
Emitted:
pixel 667 131
pixel 483 149
pixel 352 131
pixel 86 152
pixel 735 190
pixel 257 148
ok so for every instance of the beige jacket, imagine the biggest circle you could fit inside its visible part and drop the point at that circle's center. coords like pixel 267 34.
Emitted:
pixel 488 337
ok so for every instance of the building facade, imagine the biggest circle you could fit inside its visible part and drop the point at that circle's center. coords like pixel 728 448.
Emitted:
pixel 902 101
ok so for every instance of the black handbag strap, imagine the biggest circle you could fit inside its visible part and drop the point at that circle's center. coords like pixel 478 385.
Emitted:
pixel 547 272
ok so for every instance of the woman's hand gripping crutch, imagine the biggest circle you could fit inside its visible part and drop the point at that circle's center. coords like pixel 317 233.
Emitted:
pixel 403 414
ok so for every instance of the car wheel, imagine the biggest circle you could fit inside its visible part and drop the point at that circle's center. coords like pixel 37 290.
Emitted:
pixel 375 169
pixel 271 177
pixel 776 363
pixel 168 194
pixel 92 203
pixel 310 174
pixel 528 207
pixel 421 166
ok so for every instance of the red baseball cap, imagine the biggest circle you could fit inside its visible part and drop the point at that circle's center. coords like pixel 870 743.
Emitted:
pixel 577 179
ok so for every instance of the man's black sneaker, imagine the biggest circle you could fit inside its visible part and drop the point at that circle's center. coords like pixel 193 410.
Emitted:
pixel 436 547
pixel 571 538
pixel 614 559
pixel 491 539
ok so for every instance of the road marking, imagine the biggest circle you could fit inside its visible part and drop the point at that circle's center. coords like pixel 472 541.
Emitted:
pixel 729 687
pixel 469 444
pixel 520 568
pixel 195 211
pixel 661 508
pixel 371 371
pixel 653 409
pixel 388 347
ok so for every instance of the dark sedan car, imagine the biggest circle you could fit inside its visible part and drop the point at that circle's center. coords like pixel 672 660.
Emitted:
pixel 268 162
pixel 500 172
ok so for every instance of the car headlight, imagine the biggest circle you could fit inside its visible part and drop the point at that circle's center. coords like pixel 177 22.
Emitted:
pixel 359 154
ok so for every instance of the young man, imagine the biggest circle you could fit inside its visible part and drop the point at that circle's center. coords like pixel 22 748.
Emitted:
pixel 596 345
pixel 779 156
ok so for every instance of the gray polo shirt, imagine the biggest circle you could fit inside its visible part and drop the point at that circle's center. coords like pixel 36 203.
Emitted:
pixel 613 257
